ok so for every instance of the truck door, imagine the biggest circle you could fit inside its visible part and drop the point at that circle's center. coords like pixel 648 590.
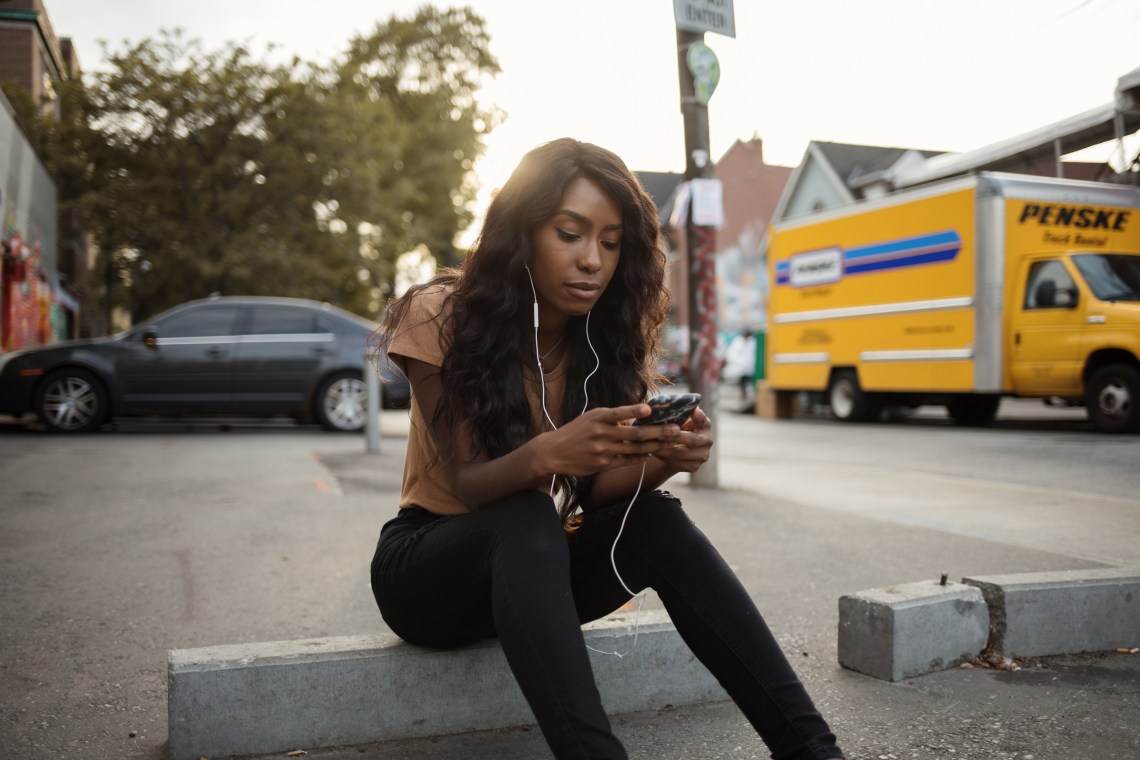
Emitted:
pixel 1047 322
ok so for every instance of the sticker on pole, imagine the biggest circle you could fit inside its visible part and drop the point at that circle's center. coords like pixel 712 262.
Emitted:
pixel 705 69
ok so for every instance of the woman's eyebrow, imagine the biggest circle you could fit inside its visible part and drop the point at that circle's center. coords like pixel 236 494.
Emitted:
pixel 586 220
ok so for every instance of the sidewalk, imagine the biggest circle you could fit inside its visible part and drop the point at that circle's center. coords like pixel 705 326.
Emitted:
pixel 168 535
pixel 797 562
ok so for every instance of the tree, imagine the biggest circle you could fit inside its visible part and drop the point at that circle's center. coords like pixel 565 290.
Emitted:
pixel 213 171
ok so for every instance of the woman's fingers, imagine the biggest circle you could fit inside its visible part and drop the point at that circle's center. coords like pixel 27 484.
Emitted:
pixel 698 421
pixel 691 447
pixel 623 414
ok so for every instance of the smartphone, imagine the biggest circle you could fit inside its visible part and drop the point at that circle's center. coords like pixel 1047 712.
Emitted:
pixel 675 407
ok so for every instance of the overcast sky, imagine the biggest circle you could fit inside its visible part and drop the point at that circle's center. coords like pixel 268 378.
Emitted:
pixel 934 74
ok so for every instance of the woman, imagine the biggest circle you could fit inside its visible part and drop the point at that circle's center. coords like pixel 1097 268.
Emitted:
pixel 527 367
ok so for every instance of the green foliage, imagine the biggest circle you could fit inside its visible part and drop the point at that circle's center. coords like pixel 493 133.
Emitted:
pixel 214 171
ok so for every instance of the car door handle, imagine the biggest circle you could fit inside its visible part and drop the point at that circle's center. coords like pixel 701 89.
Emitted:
pixel 1096 319
pixel 216 352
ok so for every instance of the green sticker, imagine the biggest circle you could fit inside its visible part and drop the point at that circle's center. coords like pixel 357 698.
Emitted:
pixel 705 69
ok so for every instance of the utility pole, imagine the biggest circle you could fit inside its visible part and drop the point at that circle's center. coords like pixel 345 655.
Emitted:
pixel 109 284
pixel 704 374
pixel 699 73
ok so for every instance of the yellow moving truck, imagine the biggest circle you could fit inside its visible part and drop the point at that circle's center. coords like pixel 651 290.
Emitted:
pixel 960 293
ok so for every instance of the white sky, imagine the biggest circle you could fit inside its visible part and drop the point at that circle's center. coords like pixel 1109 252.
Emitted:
pixel 934 74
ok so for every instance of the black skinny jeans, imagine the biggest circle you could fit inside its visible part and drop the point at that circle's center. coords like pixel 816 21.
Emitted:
pixel 509 570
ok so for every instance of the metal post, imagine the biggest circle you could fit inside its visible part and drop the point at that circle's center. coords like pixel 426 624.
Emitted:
pixel 372 420
pixel 704 374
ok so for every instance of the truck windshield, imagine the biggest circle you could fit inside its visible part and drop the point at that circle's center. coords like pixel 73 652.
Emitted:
pixel 1112 276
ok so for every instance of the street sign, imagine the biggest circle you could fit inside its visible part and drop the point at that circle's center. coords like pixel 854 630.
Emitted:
pixel 705 16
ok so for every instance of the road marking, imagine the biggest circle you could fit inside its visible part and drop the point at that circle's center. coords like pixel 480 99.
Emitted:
pixel 326 487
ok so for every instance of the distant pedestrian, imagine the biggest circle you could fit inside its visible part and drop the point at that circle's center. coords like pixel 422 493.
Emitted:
pixel 740 362
pixel 523 469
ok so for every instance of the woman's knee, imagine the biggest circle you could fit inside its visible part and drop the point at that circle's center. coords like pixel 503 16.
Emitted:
pixel 658 521
pixel 527 522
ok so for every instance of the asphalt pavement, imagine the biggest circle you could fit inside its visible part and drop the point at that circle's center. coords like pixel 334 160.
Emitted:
pixel 184 556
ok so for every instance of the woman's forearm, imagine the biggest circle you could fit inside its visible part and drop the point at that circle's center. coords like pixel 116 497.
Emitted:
pixel 484 481
pixel 621 483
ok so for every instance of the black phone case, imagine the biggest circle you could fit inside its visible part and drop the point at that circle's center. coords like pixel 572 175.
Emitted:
pixel 671 408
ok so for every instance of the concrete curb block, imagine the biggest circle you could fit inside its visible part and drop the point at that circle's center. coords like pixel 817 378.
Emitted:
pixel 272 696
pixel 911 629
pixel 1066 612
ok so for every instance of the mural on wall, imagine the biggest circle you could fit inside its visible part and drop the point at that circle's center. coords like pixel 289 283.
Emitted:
pixel 28 314
pixel 30 310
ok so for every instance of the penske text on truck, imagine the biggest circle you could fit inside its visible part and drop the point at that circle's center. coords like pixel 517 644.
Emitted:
pixel 960 293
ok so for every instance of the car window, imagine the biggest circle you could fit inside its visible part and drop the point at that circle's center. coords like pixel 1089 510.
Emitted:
pixel 210 321
pixel 1044 273
pixel 283 320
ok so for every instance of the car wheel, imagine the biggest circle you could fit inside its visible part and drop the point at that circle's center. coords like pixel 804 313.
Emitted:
pixel 71 401
pixel 848 401
pixel 342 403
pixel 1113 399
pixel 971 411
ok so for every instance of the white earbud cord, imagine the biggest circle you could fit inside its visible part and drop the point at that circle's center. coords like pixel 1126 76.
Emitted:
pixel 613 548
pixel 586 393
pixel 538 361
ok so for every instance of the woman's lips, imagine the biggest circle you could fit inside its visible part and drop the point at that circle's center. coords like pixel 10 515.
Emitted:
pixel 584 289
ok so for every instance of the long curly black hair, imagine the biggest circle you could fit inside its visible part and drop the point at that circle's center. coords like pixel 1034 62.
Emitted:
pixel 491 351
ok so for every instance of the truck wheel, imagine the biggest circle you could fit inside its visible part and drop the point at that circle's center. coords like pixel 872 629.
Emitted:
pixel 973 410
pixel 342 403
pixel 71 401
pixel 848 401
pixel 1113 399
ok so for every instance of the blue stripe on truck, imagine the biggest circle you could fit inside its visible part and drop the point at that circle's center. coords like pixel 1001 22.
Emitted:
pixel 892 254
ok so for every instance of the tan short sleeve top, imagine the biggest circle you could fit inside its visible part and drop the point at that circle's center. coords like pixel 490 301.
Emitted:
pixel 426 482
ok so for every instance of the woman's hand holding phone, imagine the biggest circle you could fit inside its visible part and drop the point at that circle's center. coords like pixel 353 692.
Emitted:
pixel 670 407
pixel 692 446
pixel 674 431
pixel 604 439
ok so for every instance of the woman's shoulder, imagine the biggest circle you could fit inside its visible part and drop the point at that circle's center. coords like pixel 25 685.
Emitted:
pixel 429 302
pixel 421 332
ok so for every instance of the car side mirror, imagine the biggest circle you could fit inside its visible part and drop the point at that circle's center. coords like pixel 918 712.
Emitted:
pixel 1046 294
pixel 1066 298
pixel 150 338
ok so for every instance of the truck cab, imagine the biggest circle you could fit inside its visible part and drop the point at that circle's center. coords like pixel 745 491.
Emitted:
pixel 1074 332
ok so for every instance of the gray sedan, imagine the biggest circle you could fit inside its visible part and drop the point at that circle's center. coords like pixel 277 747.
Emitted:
pixel 220 356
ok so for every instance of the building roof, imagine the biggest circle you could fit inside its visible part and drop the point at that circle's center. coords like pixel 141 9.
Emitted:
pixel 852 162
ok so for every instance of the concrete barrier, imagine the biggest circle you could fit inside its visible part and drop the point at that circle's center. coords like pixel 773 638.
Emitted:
pixel 1065 612
pixel 259 698
pixel 911 629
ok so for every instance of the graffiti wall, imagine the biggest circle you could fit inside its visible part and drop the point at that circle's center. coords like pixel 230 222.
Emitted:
pixel 30 312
